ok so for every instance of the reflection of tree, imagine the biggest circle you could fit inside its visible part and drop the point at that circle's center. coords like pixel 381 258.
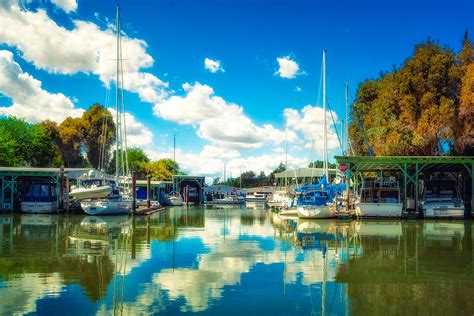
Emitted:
pixel 426 270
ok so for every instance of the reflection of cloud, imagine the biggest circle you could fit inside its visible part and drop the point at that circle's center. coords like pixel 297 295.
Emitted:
pixel 21 294
pixel 234 256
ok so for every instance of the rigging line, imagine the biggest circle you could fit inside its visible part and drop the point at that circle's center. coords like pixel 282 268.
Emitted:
pixel 335 128
pixel 123 113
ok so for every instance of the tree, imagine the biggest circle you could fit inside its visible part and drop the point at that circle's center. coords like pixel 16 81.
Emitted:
pixel 249 179
pixel 70 143
pixel 162 169
pixel 136 158
pixel 99 134
pixel 411 110
pixel 465 137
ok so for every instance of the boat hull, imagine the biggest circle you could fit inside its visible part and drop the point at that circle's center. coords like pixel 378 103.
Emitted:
pixel 443 211
pixel 107 207
pixel 289 212
pixel 379 209
pixel 91 193
pixel 39 207
pixel 173 201
pixel 311 212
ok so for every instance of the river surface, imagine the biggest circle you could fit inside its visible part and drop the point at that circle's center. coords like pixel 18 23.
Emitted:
pixel 233 261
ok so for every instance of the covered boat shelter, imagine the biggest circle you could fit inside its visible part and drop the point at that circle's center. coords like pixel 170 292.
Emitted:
pixel 302 176
pixel 191 188
pixel 413 169
pixel 12 179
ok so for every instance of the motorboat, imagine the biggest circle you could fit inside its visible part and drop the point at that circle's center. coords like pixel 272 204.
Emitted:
pixel 441 198
pixel 173 199
pixel 40 198
pixel 380 197
pixel 228 200
pixel 279 200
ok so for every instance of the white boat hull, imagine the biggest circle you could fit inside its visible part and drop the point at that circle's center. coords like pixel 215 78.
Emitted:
pixel 310 212
pixel 107 207
pixel 379 209
pixel 173 201
pixel 91 193
pixel 441 210
pixel 39 207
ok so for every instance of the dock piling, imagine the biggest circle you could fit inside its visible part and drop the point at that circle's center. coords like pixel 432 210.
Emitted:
pixel 148 186
pixel 61 187
pixel 134 191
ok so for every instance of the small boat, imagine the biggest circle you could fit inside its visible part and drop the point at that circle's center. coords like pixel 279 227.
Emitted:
pixel 173 199
pixel 279 200
pixel 121 204
pixel 40 198
pixel 256 197
pixel 380 197
pixel 441 198
pixel 228 200
pixel 91 188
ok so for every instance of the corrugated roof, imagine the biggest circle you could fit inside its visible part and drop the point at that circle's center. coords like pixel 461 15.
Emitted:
pixel 304 173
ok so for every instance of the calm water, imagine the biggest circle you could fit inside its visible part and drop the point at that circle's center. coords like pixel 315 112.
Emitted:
pixel 234 261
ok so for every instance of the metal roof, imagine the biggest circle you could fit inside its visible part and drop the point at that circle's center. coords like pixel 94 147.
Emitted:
pixel 304 173
pixel 442 163
pixel 31 171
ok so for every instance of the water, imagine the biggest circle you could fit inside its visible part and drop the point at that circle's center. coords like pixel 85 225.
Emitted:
pixel 233 261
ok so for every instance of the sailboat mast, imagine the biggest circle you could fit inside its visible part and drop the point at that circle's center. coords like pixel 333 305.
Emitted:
pixel 286 157
pixel 347 119
pixel 325 164
pixel 117 97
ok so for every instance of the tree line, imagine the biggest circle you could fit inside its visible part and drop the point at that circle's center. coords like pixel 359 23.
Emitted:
pixel 424 107
pixel 74 143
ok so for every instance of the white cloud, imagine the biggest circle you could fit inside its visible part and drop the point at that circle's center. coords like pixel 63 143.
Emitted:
pixel 29 100
pixel 287 67
pixel 222 123
pixel 66 5
pixel 213 65
pixel 310 122
pixel 138 135
pixel 84 48
pixel 298 89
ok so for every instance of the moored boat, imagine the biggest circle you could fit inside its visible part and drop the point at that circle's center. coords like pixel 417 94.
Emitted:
pixel 380 197
pixel 441 198
pixel 40 198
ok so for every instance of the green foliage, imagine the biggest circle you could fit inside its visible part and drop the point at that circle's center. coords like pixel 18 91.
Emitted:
pixel 320 164
pixel 162 169
pixel 70 142
pixel 23 144
pixel 136 158
pixel 412 110
pixel 98 133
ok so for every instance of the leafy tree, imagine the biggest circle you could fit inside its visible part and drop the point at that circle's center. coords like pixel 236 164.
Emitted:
pixel 136 159
pixel 51 128
pixel 320 164
pixel 465 137
pixel 411 110
pixel 249 179
pixel 162 169
pixel 99 133
pixel 70 143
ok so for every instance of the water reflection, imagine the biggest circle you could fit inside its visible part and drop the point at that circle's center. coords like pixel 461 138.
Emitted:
pixel 218 260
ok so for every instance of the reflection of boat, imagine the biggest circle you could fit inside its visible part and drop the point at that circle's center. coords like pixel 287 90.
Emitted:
pixel 40 198
pixel 310 233
pixel 442 233
pixel 380 197
pixel 441 198
pixel 386 229
pixel 289 212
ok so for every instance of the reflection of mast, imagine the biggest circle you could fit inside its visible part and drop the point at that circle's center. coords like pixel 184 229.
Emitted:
pixel 323 299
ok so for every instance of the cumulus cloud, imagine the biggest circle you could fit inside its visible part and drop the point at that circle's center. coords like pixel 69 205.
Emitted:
pixel 310 122
pixel 287 68
pixel 138 135
pixel 66 5
pixel 84 48
pixel 213 65
pixel 29 100
pixel 216 120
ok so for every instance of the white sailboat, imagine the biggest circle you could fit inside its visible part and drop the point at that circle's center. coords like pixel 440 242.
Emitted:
pixel 95 200
pixel 173 198
pixel 318 203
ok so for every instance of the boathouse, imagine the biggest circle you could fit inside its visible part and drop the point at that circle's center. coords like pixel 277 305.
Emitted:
pixel 191 188
pixel 302 176
pixel 413 171
pixel 14 179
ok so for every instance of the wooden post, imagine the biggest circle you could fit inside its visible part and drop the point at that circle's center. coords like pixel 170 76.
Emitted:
pixel 148 186
pixel 61 187
pixel 67 194
pixel 134 191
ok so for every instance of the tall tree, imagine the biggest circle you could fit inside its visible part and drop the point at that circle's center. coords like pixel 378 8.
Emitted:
pixel 71 132
pixel 136 158
pixel 99 134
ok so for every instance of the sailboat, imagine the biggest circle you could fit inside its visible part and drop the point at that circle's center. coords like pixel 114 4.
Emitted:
pixel 100 194
pixel 317 201
pixel 173 198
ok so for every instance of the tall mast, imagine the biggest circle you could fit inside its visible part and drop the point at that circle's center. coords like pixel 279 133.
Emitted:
pixel 347 119
pixel 325 164
pixel 286 157
pixel 117 97
pixel 174 147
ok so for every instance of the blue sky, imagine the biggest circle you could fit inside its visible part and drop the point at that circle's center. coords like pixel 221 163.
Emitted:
pixel 235 116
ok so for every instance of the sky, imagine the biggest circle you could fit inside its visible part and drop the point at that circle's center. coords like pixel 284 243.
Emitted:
pixel 235 81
